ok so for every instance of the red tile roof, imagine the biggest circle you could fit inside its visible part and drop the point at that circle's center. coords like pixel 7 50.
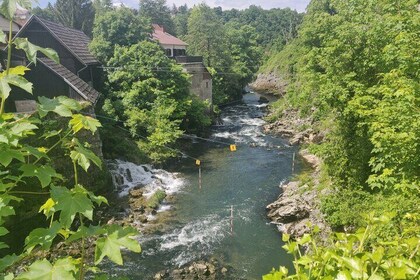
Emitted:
pixel 165 38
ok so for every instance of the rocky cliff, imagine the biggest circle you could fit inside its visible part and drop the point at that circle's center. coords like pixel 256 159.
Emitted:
pixel 269 83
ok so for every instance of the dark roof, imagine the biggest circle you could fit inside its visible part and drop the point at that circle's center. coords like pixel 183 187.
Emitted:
pixel 81 87
pixel 74 40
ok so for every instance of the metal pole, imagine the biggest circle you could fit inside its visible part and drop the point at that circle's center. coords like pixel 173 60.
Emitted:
pixel 293 163
pixel 199 177
pixel 231 220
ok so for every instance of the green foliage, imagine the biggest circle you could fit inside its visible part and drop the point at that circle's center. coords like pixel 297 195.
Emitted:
pixel 231 50
pixel 358 65
pixel 158 13
pixel 150 94
pixel 206 35
pixel 347 207
pixel 180 18
pixel 354 70
pixel 117 27
pixel 77 14
pixel 114 239
pixel 27 169
pixel 62 269
pixel 356 256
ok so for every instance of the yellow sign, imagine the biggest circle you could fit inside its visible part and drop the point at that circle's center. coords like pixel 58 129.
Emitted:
pixel 233 148
pixel 198 162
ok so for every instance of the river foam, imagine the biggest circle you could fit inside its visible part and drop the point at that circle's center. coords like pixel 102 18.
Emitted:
pixel 127 175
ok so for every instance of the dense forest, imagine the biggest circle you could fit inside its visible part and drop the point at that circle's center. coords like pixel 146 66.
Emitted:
pixel 354 71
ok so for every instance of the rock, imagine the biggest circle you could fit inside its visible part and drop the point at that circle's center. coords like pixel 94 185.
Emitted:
pixel 128 175
pixel 140 209
pixel 224 270
pixel 295 208
pixel 200 266
pixel 136 193
pixel 263 100
pixel 289 210
pixel 297 139
pixel 285 132
pixel 313 160
pixel 143 219
pixel 270 83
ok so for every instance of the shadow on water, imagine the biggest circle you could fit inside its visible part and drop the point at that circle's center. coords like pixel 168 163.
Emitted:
pixel 246 180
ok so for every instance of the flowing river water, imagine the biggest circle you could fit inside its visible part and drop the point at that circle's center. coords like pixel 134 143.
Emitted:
pixel 246 180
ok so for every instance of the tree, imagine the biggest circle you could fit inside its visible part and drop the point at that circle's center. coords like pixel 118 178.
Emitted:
pixel 206 35
pixel 102 6
pixel 149 92
pixel 158 13
pixel 180 18
pixel 117 27
pixel 77 14
pixel 244 51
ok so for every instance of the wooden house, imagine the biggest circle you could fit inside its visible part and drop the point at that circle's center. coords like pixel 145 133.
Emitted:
pixel 76 76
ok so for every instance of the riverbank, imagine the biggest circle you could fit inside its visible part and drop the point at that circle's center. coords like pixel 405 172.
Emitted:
pixel 297 210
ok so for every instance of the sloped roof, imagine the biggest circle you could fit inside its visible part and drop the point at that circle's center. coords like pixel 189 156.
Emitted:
pixel 5 25
pixel 74 40
pixel 162 37
pixel 81 87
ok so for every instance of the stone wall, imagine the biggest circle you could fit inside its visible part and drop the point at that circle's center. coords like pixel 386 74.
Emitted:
pixel 201 80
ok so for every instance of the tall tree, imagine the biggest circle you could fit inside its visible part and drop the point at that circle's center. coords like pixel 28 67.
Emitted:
pixel 180 18
pixel 206 35
pixel 102 6
pixel 159 13
pixel 117 27
pixel 77 14
pixel 155 105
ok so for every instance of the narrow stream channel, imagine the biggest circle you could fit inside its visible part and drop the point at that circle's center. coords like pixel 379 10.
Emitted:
pixel 247 179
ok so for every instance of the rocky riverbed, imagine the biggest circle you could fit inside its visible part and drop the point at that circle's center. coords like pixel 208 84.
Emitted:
pixel 297 209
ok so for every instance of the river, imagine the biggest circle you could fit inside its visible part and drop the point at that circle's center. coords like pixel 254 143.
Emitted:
pixel 246 180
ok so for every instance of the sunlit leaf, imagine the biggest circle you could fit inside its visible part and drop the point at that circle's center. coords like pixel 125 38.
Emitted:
pixel 79 122
pixel 42 237
pixel 110 245
pixel 61 105
pixel 31 50
pixel 63 269
pixel 44 173
pixel 71 203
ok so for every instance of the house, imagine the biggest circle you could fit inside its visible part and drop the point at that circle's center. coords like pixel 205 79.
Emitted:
pixel 201 79
pixel 76 76
pixel 173 46
pixel 21 17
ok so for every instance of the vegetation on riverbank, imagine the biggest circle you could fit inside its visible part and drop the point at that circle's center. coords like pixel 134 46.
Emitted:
pixel 353 71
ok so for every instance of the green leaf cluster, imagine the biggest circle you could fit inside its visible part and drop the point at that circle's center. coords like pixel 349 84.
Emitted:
pixel 150 94
pixel 27 169
pixel 354 69
pixel 356 255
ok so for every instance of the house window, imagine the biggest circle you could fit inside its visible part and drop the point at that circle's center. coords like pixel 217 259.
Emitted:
pixel 207 84
pixel 168 52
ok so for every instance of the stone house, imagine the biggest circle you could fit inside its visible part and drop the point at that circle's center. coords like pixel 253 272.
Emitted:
pixel 201 79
